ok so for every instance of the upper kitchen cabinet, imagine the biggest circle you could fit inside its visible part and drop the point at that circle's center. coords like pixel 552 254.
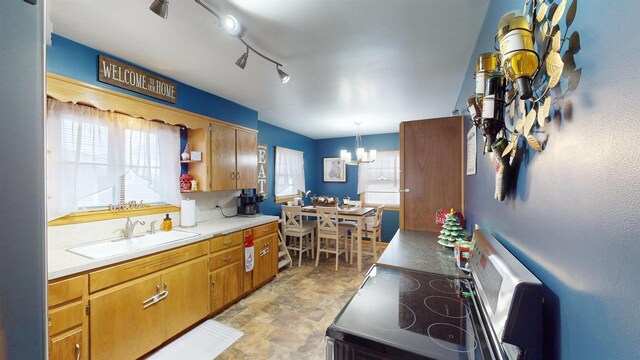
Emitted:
pixel 234 158
pixel 198 168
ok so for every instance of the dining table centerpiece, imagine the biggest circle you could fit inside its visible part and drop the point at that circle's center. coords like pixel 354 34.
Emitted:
pixel 324 200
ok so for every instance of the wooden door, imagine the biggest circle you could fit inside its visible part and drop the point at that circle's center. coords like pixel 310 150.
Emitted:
pixel 263 268
pixel 188 299
pixel 431 168
pixel 67 346
pixel 226 285
pixel 120 326
pixel 223 157
pixel 247 159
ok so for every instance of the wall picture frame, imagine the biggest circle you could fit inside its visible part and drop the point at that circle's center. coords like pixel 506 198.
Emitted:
pixel 334 170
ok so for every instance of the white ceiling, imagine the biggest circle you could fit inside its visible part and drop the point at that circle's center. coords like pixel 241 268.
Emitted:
pixel 374 61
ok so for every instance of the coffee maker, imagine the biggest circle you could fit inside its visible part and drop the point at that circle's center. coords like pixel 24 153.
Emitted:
pixel 248 203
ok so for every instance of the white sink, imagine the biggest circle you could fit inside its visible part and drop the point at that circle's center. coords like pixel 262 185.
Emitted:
pixel 121 246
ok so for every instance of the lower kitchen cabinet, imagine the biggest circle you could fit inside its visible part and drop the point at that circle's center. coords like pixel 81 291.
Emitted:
pixel 188 299
pixel 226 285
pixel 121 326
pixel 265 247
pixel 66 346
pixel 131 319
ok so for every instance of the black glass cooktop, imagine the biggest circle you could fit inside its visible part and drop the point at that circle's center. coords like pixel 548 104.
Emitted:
pixel 412 313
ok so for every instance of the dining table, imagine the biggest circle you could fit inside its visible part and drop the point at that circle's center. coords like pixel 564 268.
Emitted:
pixel 356 214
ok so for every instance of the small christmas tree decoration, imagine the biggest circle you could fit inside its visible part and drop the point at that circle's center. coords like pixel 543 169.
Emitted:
pixel 451 231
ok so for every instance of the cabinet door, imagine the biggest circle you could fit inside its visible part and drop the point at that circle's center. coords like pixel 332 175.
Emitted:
pixel 188 296
pixel 226 285
pixel 263 268
pixel 120 326
pixel 66 346
pixel 223 157
pixel 247 159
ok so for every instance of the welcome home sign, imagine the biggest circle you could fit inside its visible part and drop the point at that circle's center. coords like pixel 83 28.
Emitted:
pixel 131 78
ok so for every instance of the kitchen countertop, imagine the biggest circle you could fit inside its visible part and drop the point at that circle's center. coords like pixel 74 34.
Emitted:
pixel 420 251
pixel 63 263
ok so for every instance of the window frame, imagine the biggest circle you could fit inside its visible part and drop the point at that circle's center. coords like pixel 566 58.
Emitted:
pixel 280 199
pixel 363 195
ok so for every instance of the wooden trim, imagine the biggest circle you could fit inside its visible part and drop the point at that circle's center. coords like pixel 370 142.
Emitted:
pixel 98 215
pixel 284 199
pixel 401 176
pixel 463 171
pixel 67 89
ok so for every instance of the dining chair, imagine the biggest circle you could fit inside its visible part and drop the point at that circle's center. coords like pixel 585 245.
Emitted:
pixel 301 234
pixel 332 236
pixel 373 225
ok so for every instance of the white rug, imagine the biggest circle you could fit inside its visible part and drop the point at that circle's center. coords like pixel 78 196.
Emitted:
pixel 204 342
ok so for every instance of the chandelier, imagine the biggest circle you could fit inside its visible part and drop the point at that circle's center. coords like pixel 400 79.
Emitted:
pixel 362 156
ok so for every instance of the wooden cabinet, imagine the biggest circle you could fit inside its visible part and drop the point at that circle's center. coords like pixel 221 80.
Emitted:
pixel 67 346
pixel 227 267
pixel 265 264
pixel 264 250
pixel 67 320
pixel 234 158
pixel 128 319
pixel 199 169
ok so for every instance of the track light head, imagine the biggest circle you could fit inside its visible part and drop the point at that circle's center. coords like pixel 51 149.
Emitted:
pixel 232 26
pixel 160 8
pixel 242 61
pixel 284 77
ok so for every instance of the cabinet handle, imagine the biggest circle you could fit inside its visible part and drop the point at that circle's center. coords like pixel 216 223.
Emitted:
pixel 77 351
pixel 227 258
pixel 238 175
pixel 213 286
pixel 157 297
pixel 164 293
pixel 227 243
pixel 233 175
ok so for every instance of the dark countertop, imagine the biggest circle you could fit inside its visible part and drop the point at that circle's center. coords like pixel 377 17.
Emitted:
pixel 420 251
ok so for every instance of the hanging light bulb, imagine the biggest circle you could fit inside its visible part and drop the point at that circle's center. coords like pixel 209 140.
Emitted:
pixel 486 64
pixel 519 59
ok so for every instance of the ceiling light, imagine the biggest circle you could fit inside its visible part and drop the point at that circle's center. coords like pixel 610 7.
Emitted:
pixel 284 77
pixel 242 61
pixel 362 156
pixel 232 26
pixel 160 7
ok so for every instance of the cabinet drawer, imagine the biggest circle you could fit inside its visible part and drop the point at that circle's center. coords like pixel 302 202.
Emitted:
pixel 226 241
pixel 66 346
pixel 65 317
pixel 263 230
pixel 66 290
pixel 226 257
pixel 129 270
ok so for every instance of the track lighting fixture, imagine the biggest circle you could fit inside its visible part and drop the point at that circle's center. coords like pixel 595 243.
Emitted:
pixel 160 8
pixel 232 26
pixel 242 61
pixel 284 77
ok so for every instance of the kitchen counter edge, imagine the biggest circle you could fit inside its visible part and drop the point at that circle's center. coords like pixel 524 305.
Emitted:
pixel 62 263
pixel 420 251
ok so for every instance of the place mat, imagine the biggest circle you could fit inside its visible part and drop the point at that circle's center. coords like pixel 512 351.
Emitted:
pixel 204 342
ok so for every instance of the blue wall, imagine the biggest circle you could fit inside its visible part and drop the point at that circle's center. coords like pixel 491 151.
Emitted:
pixel 80 62
pixel 331 148
pixel 574 217
pixel 274 136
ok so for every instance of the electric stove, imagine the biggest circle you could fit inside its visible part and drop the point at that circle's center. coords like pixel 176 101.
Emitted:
pixel 405 314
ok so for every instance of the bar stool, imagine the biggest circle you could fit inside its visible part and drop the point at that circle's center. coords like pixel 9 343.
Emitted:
pixel 301 233
pixel 332 237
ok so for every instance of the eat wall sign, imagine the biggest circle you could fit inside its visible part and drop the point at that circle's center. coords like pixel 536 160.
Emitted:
pixel 124 76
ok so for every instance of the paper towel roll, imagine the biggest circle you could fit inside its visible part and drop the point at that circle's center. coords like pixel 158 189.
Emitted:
pixel 188 213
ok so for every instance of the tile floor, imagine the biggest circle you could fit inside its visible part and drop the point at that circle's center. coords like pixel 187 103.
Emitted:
pixel 287 318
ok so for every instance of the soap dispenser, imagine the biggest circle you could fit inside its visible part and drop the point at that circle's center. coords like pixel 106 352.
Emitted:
pixel 167 224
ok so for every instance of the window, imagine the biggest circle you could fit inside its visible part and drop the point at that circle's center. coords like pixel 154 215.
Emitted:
pixel 97 158
pixel 379 181
pixel 289 174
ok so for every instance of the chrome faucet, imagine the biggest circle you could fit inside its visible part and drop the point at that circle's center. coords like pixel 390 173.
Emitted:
pixel 129 226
